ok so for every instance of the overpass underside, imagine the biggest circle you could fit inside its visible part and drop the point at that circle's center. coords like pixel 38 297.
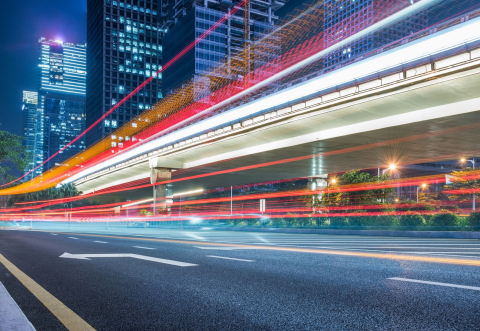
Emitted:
pixel 428 117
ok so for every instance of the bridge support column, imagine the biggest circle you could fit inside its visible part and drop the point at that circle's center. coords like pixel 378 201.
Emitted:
pixel 317 183
pixel 162 193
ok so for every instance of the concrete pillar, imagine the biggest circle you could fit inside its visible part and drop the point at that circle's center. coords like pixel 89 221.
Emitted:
pixel 162 193
pixel 318 183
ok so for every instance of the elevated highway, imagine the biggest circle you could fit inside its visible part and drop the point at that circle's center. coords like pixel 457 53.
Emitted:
pixel 414 103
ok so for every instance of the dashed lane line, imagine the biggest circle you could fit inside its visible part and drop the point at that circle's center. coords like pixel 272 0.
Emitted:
pixel 229 258
pixel 72 238
pixel 67 317
pixel 100 242
pixel 435 283
pixel 141 247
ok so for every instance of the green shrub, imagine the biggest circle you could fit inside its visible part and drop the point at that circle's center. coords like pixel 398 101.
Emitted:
pixel 474 219
pixel 411 219
pixel 463 221
pixel 338 221
pixel 445 218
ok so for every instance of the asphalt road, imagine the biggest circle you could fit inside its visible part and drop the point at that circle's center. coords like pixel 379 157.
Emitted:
pixel 247 281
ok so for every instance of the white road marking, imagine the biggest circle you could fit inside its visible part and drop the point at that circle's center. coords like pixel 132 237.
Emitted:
pixel 135 256
pixel 143 247
pixel 54 234
pixel 230 258
pixel 435 283
pixel 72 238
pixel 100 242
pixel 227 248
pixel 195 236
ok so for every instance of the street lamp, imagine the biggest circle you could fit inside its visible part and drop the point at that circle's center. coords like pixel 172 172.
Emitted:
pixel 473 167
pixel 418 188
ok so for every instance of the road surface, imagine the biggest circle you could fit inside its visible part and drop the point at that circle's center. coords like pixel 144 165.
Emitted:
pixel 219 280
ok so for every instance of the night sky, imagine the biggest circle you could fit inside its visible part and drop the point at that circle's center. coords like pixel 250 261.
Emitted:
pixel 22 24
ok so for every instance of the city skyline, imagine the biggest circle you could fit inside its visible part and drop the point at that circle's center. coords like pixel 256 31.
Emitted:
pixel 28 21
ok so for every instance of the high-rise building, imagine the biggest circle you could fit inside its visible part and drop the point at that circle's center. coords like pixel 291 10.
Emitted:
pixel 225 47
pixel 124 49
pixel 344 18
pixel 32 123
pixel 61 98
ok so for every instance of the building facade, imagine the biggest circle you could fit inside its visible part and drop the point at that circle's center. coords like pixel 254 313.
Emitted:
pixel 61 98
pixel 222 53
pixel 344 18
pixel 32 123
pixel 124 49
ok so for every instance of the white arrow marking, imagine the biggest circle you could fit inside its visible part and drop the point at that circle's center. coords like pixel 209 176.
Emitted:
pixel 135 256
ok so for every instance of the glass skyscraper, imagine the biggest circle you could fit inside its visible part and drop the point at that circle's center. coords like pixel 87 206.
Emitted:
pixel 61 98
pixel 124 49
pixel 184 21
pixel 32 122
pixel 343 18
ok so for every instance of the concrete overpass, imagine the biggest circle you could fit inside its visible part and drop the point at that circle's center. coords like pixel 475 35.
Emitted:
pixel 417 102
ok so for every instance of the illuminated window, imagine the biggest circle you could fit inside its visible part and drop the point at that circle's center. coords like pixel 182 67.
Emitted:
pixel 107 123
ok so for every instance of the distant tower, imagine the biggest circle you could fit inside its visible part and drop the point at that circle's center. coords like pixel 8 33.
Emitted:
pixel 344 18
pixel 32 122
pixel 185 20
pixel 61 98
pixel 124 49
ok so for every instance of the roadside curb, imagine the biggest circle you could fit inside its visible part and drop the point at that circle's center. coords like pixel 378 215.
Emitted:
pixel 382 233
pixel 11 316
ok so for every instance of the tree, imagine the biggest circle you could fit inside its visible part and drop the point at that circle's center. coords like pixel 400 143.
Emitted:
pixel 13 156
pixel 66 191
pixel 463 181
pixel 360 189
